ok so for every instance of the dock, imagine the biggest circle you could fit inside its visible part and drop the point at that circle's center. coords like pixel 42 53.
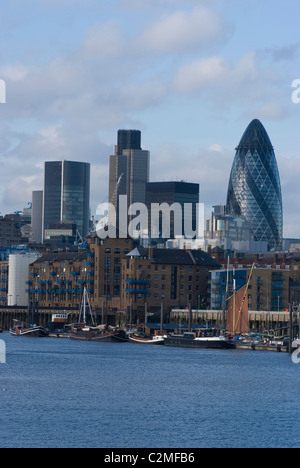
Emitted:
pixel 262 347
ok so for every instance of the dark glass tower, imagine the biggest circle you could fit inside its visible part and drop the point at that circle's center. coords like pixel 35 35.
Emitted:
pixel 67 194
pixel 173 192
pixel 254 190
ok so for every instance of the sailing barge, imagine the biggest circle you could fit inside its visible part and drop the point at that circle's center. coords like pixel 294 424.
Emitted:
pixel 92 332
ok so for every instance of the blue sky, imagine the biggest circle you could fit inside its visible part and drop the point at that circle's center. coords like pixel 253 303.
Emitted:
pixel 189 74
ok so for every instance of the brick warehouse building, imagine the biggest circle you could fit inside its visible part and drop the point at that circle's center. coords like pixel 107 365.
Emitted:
pixel 174 278
pixel 119 275
pixel 58 279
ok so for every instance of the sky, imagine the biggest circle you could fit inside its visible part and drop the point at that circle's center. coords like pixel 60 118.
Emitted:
pixel 191 75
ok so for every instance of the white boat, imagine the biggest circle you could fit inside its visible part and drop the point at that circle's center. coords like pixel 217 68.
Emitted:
pixel 142 338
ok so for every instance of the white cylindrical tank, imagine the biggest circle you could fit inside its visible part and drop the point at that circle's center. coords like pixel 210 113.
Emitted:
pixel 17 277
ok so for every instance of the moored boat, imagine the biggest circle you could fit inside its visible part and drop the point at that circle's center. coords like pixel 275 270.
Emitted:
pixel 191 340
pixel 143 338
pixel 85 333
pixel 25 329
pixel 58 324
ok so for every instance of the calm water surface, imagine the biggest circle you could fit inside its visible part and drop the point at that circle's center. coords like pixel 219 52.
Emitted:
pixel 62 393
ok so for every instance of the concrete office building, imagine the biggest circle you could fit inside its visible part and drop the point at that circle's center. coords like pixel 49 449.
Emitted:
pixel 37 216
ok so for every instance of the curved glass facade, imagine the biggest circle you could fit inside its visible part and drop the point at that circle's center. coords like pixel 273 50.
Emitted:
pixel 254 190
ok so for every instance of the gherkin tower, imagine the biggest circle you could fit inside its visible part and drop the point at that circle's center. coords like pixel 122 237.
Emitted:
pixel 254 190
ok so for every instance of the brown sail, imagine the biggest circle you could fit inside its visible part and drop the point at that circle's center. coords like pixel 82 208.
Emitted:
pixel 238 312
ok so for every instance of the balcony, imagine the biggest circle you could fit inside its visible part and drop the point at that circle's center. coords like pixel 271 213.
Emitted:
pixel 136 281
pixel 136 291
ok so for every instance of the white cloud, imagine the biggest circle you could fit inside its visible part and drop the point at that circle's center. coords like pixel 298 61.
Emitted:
pixel 183 30
pixel 217 148
pixel 215 71
pixel 104 40
pixel 197 74
pixel 15 73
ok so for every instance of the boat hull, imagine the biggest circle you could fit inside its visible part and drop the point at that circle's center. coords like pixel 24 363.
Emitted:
pixel 204 343
pixel 155 341
pixel 36 332
pixel 90 336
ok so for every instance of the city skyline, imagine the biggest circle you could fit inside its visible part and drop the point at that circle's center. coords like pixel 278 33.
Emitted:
pixel 122 66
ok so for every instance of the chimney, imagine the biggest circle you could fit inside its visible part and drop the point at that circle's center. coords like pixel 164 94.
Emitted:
pixel 150 252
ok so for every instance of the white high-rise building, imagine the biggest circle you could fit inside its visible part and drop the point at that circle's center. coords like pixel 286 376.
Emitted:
pixel 17 277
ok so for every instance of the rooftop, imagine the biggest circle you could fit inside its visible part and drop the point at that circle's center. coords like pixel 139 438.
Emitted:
pixel 175 257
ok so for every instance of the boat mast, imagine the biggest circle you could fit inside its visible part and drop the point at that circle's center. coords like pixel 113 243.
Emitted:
pixel 226 295
pixel 84 305
pixel 86 302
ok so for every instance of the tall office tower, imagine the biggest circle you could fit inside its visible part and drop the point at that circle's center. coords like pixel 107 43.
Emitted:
pixel 254 190
pixel 186 195
pixel 67 194
pixel 128 171
pixel 37 216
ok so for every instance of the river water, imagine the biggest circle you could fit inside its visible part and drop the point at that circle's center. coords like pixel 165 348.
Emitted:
pixel 63 393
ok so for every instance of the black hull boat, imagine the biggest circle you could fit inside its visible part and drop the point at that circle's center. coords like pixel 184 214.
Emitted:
pixel 189 340
pixel 23 329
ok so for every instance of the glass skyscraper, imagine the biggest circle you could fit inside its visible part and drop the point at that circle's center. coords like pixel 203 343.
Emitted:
pixel 67 194
pixel 254 190
pixel 128 170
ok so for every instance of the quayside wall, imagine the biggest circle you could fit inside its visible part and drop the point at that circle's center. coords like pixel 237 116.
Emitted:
pixel 9 314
